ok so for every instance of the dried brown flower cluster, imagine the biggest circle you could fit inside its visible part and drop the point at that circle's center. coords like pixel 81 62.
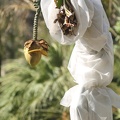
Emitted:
pixel 66 18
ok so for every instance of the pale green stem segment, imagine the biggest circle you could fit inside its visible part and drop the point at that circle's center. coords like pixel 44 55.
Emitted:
pixel 35 25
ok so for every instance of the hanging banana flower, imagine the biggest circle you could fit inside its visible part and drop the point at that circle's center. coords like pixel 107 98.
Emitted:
pixel 66 17
pixel 34 49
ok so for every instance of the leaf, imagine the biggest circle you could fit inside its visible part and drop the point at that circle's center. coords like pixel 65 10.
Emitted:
pixel 58 3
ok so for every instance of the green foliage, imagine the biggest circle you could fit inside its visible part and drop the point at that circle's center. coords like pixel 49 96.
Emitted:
pixel 58 3
pixel 36 91
pixel 118 115
pixel 117 27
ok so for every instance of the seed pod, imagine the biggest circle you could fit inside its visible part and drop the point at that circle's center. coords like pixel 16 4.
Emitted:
pixel 34 49
pixel 32 58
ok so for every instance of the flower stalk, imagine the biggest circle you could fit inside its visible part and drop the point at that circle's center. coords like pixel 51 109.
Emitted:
pixel 35 24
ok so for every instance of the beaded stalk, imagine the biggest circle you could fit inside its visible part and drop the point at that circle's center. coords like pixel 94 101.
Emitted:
pixel 35 24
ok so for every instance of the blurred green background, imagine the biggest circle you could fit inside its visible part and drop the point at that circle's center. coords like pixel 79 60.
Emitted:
pixel 28 93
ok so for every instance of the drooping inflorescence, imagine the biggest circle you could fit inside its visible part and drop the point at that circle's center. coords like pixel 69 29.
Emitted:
pixel 35 48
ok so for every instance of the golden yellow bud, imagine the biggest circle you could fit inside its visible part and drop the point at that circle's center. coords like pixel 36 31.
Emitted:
pixel 32 58
pixel 34 49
